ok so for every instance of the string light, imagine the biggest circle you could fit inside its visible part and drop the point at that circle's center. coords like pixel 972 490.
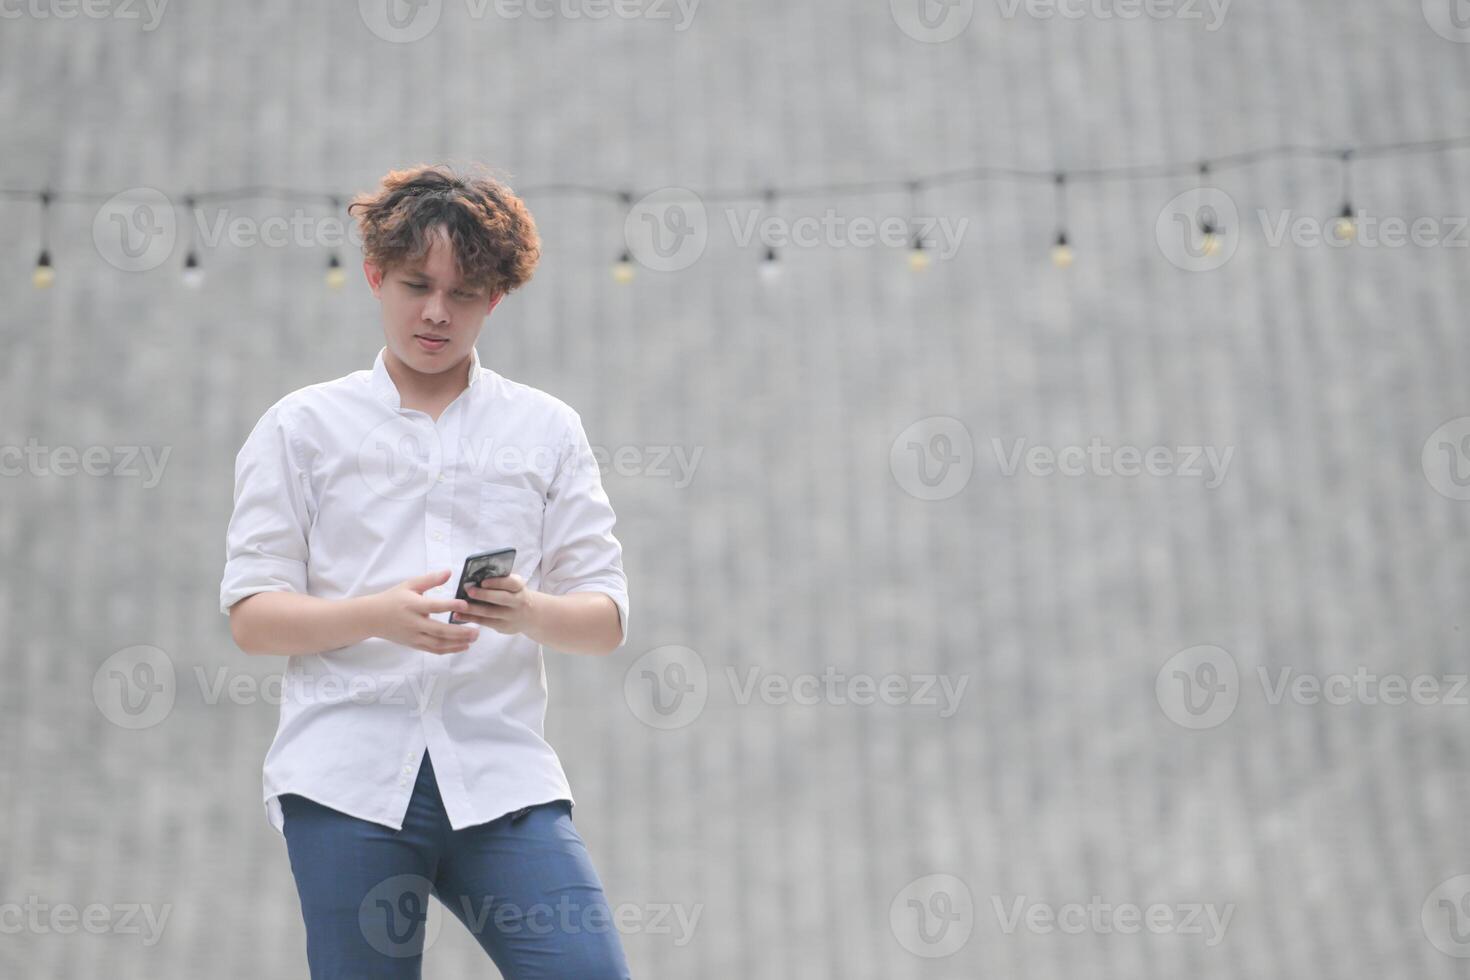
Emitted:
pixel 1061 250
pixel 1209 235
pixel 193 275
pixel 624 269
pixel 1347 223
pixel 336 278
pixel 43 275
pixel 771 264
pixel 918 258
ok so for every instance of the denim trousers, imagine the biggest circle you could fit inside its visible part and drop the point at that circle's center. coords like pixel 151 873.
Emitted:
pixel 522 884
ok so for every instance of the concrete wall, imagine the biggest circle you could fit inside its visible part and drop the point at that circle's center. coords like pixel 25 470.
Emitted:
pixel 800 547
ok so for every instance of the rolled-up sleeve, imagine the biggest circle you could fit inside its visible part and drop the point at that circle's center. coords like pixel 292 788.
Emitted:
pixel 579 550
pixel 266 543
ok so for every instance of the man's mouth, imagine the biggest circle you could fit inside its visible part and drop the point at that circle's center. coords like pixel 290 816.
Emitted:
pixel 430 342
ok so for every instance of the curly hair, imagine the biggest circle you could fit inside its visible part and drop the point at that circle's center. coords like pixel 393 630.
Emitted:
pixel 494 237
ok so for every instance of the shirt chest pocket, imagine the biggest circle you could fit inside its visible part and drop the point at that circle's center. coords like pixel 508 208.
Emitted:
pixel 510 517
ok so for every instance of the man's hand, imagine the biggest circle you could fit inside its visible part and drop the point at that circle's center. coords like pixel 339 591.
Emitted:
pixel 579 623
pixel 504 604
pixel 401 614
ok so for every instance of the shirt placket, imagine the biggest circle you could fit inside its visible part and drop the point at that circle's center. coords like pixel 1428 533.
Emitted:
pixel 438 550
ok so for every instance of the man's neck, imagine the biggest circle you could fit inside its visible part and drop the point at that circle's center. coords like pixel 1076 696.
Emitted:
pixel 424 391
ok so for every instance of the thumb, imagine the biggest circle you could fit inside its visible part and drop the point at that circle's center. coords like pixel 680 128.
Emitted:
pixel 423 583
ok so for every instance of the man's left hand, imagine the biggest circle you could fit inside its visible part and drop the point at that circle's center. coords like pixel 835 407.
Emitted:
pixel 504 604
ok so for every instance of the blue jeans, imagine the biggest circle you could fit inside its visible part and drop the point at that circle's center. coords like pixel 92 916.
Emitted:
pixel 523 885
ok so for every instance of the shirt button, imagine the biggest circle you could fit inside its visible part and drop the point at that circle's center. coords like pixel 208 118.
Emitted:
pixel 438 536
pixel 407 770
pixel 441 478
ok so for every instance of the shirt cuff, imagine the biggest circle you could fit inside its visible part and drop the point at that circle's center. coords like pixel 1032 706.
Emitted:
pixel 249 574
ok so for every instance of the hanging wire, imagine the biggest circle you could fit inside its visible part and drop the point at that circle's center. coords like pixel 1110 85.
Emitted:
pixel 771 262
pixel 623 269
pixel 193 275
pixel 336 278
pixel 1347 222
pixel 918 258
pixel 970 174
pixel 43 275
pixel 1061 250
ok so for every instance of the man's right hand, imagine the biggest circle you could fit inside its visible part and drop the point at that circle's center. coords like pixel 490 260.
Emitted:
pixel 401 614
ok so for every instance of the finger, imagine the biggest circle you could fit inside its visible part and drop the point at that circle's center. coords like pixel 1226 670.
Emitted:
pixel 430 644
pixel 426 645
pixel 423 583
pixel 430 606
pixel 508 583
pixel 452 634
pixel 498 596
pixel 484 616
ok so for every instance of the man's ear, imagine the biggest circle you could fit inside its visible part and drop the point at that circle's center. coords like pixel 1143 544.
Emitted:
pixel 374 276
pixel 494 301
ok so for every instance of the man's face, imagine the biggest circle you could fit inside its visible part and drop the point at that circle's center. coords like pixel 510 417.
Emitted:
pixel 430 318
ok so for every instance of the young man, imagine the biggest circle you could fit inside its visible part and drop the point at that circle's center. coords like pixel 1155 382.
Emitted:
pixel 410 756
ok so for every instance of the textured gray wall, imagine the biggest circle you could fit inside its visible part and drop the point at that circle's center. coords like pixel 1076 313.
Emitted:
pixel 793 829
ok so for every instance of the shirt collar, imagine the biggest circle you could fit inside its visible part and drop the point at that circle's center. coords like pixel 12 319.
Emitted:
pixel 382 382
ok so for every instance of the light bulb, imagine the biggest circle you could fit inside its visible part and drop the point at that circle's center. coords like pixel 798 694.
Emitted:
pixel 336 278
pixel 193 274
pixel 918 258
pixel 1061 253
pixel 1211 243
pixel 1346 226
pixel 770 266
pixel 43 275
pixel 623 269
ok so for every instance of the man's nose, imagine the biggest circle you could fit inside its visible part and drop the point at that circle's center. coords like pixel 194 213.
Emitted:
pixel 435 309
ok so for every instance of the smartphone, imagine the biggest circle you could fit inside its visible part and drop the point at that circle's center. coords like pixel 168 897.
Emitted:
pixel 487 564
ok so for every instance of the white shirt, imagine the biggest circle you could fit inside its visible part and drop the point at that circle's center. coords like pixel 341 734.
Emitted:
pixel 339 492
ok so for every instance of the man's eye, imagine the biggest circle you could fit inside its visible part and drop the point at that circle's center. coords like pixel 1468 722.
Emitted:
pixel 464 295
pixel 414 285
